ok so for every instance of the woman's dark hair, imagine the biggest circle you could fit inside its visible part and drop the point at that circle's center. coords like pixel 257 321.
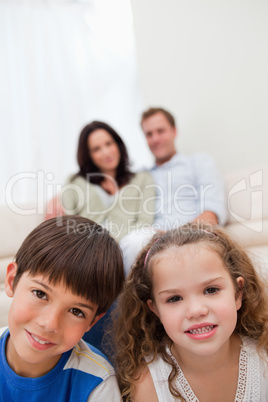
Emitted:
pixel 86 165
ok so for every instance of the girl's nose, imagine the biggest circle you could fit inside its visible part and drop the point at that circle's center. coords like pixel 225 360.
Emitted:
pixel 196 308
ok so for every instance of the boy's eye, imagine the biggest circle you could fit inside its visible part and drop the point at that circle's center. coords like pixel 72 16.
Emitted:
pixel 40 294
pixel 211 290
pixel 77 312
pixel 174 299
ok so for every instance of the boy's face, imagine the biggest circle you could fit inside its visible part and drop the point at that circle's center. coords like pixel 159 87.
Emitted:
pixel 45 321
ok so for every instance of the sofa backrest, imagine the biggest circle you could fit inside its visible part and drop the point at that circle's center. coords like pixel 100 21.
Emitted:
pixel 247 194
pixel 15 226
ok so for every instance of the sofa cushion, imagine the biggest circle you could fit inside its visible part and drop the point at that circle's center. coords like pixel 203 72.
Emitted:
pixel 249 233
pixel 15 226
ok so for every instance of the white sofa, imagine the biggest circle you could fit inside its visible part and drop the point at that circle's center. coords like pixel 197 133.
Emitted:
pixel 247 204
pixel 247 201
pixel 14 228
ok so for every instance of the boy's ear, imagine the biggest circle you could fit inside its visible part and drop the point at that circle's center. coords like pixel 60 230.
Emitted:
pixel 10 275
pixel 95 320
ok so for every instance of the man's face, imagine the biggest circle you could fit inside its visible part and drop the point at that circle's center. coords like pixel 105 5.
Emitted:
pixel 160 136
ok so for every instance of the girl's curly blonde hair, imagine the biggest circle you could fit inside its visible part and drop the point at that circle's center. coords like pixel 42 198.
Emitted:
pixel 139 332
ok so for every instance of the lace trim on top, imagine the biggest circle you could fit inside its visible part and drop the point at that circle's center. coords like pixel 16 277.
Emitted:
pixel 182 384
pixel 242 376
pixel 248 384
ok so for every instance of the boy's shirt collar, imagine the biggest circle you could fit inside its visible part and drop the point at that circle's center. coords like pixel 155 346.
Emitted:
pixel 28 382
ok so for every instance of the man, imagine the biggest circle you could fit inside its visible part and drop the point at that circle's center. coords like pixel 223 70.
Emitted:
pixel 189 188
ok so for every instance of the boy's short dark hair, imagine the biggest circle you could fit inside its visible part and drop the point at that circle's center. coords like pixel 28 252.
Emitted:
pixel 153 110
pixel 78 252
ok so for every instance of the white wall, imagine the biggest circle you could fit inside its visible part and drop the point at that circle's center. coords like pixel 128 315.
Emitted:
pixel 63 64
pixel 207 62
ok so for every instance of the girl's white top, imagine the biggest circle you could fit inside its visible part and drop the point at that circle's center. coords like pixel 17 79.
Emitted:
pixel 252 383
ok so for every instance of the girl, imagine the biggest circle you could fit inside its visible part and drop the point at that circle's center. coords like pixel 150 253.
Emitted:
pixel 193 321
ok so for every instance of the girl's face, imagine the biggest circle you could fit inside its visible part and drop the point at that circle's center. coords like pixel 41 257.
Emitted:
pixel 104 151
pixel 195 299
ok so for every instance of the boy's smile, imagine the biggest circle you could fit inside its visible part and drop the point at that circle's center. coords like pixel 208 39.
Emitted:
pixel 39 342
pixel 45 320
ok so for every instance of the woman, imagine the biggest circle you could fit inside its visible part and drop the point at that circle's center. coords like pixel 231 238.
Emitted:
pixel 104 189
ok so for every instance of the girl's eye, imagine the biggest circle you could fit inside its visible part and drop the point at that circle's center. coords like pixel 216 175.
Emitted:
pixel 174 299
pixel 211 290
pixel 77 312
pixel 40 294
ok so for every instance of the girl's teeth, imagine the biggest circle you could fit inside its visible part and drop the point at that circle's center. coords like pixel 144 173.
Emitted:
pixel 39 340
pixel 202 330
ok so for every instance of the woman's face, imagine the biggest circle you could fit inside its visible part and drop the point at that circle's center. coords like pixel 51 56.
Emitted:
pixel 104 151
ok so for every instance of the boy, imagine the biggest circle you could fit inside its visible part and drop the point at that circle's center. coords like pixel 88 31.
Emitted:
pixel 66 275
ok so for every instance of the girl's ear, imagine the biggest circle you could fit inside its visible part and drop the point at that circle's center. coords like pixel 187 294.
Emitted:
pixel 152 307
pixel 10 276
pixel 239 293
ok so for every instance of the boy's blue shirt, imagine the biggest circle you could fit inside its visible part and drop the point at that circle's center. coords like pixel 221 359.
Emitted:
pixel 79 372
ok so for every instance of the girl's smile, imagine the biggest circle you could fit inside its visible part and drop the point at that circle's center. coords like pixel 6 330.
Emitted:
pixel 202 331
pixel 195 299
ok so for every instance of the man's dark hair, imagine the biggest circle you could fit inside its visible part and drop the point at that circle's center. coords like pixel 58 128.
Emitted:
pixel 153 110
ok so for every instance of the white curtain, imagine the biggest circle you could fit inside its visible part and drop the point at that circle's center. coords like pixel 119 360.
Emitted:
pixel 63 64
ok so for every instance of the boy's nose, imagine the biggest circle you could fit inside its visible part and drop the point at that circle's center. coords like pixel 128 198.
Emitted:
pixel 50 320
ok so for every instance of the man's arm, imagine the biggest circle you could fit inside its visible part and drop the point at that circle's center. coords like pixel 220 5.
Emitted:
pixel 211 188
pixel 207 217
pixel 54 208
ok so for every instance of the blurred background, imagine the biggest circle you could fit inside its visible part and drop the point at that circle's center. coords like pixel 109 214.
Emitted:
pixel 65 63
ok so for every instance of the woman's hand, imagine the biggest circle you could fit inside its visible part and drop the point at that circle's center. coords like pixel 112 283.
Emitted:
pixel 109 185
pixel 54 208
